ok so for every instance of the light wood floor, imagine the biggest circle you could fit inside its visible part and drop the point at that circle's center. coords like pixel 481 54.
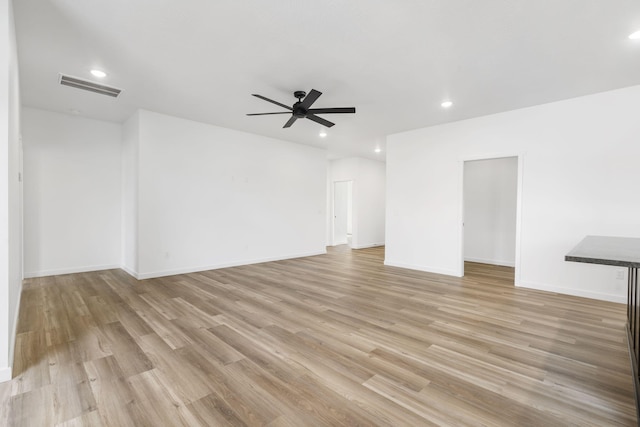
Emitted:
pixel 331 340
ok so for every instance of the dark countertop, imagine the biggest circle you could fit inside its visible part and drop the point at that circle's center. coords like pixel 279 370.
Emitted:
pixel 618 251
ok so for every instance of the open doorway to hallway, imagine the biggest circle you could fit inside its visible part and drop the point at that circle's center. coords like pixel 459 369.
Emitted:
pixel 490 200
pixel 342 212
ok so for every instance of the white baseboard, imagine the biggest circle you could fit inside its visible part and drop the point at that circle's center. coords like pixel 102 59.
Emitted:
pixel 367 245
pixel 16 316
pixel 424 268
pixel 575 292
pixel 130 271
pixel 5 374
pixel 142 276
pixel 491 261
pixel 71 270
pixel 152 275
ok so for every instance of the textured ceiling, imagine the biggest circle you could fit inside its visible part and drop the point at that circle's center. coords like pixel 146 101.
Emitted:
pixel 395 61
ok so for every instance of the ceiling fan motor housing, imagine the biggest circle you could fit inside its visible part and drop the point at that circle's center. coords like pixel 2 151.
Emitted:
pixel 299 111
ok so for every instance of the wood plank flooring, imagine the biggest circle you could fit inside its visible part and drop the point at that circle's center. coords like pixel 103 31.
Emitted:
pixel 331 340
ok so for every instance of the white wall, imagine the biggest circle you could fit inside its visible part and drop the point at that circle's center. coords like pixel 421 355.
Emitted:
pixel 160 195
pixel 72 190
pixel 368 196
pixel 349 207
pixel 370 200
pixel 210 197
pixel 579 177
pixel 130 160
pixel 490 196
pixel 10 190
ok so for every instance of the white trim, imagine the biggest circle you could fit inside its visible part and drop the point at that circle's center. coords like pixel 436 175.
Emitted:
pixel 425 268
pixel 519 193
pixel 520 156
pixel 56 272
pixel 5 374
pixel 575 292
pixel 12 343
pixel 461 217
pixel 491 261
pixel 152 275
pixel 129 271
pixel 354 224
pixel 368 245
pixel 490 156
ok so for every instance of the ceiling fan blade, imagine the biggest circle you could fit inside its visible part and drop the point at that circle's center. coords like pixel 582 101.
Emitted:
pixel 290 122
pixel 265 114
pixel 310 99
pixel 272 101
pixel 320 120
pixel 332 110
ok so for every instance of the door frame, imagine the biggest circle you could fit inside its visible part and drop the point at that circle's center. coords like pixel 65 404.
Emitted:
pixel 520 156
pixel 333 207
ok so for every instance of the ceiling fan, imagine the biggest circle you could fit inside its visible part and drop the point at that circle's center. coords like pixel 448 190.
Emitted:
pixel 301 110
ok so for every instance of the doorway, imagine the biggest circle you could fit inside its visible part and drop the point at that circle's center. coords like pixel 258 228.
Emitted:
pixel 342 212
pixel 491 211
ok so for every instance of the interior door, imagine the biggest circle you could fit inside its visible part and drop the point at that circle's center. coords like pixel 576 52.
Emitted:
pixel 340 212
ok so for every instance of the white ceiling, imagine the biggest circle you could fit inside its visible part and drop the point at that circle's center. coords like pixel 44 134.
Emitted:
pixel 395 61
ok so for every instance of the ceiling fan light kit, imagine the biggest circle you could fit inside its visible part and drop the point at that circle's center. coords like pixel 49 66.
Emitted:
pixel 301 109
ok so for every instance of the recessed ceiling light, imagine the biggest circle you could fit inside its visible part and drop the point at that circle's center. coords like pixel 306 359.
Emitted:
pixel 377 150
pixel 446 104
pixel 99 73
pixel 635 36
pixel 322 134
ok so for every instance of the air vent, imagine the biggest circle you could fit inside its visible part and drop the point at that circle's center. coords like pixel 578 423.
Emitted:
pixel 90 86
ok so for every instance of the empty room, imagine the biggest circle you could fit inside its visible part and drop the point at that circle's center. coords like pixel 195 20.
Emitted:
pixel 297 213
